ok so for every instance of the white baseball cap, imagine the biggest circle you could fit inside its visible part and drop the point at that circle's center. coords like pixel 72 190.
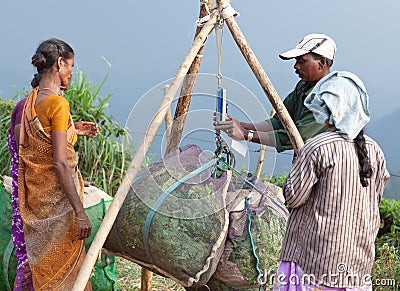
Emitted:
pixel 320 44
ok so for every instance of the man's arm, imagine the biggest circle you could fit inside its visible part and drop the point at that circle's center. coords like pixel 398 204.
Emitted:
pixel 240 131
pixel 263 126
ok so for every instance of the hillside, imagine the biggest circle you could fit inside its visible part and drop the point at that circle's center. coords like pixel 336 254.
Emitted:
pixel 380 130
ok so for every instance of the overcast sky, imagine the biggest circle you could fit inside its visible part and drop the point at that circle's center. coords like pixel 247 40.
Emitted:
pixel 145 41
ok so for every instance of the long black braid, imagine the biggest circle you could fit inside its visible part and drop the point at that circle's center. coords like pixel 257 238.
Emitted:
pixel 363 159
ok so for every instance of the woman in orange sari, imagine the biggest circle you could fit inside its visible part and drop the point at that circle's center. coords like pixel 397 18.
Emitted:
pixel 50 186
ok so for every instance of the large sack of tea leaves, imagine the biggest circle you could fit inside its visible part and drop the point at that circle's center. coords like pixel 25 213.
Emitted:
pixel 268 215
pixel 176 232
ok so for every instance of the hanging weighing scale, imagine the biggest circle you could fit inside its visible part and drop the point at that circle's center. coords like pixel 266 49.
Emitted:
pixel 222 152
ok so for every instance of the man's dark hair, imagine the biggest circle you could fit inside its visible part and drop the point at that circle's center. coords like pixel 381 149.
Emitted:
pixel 328 62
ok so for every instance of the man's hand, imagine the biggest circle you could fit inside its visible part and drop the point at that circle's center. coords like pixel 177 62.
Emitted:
pixel 230 126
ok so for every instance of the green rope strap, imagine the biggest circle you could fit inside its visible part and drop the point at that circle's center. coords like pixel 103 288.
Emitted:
pixel 253 247
pixel 273 200
pixel 161 199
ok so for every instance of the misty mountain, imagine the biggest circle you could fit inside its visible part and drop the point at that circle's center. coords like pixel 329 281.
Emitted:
pixel 385 132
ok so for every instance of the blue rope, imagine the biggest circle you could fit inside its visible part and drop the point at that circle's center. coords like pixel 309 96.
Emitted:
pixel 161 199
pixel 238 174
pixel 253 247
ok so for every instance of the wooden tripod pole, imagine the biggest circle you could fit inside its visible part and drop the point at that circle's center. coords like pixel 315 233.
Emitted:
pixel 265 83
pixel 185 97
pixel 260 162
pixel 138 158
pixel 261 155
pixel 168 117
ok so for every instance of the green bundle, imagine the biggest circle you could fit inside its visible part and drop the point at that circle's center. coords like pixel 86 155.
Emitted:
pixel 8 263
pixel 103 276
pixel 237 267
pixel 180 234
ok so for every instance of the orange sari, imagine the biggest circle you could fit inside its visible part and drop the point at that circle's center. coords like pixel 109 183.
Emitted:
pixel 55 253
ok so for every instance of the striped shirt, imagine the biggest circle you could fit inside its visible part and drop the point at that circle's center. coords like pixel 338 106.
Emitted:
pixel 333 219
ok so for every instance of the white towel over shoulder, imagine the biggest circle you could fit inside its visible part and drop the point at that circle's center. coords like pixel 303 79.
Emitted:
pixel 341 98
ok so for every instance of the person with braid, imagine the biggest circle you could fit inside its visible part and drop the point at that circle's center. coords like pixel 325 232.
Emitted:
pixel 333 191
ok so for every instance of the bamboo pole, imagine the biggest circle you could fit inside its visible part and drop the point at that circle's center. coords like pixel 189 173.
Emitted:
pixel 146 280
pixel 264 81
pixel 138 159
pixel 168 117
pixel 185 96
pixel 260 161
pixel 261 155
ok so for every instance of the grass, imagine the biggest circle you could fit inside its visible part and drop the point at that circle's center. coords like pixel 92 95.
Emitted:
pixel 386 269
pixel 129 278
pixel 102 160
pixel 6 107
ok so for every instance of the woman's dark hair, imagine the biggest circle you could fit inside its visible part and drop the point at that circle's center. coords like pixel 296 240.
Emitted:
pixel 47 54
pixel 363 160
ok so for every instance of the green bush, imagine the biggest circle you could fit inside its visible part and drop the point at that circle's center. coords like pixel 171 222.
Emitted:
pixel 6 108
pixel 389 232
pixel 103 159
pixel 278 181
pixel 387 262
pixel 386 269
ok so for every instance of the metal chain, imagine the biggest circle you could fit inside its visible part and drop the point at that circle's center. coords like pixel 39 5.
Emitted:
pixel 222 148
pixel 218 26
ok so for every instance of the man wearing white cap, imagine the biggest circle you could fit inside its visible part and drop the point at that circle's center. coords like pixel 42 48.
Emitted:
pixel 334 189
pixel 314 56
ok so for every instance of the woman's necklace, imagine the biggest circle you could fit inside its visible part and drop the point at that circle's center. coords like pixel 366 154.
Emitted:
pixel 51 90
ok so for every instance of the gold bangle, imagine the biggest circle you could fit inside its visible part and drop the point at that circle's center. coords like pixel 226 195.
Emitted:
pixel 81 219
pixel 250 135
